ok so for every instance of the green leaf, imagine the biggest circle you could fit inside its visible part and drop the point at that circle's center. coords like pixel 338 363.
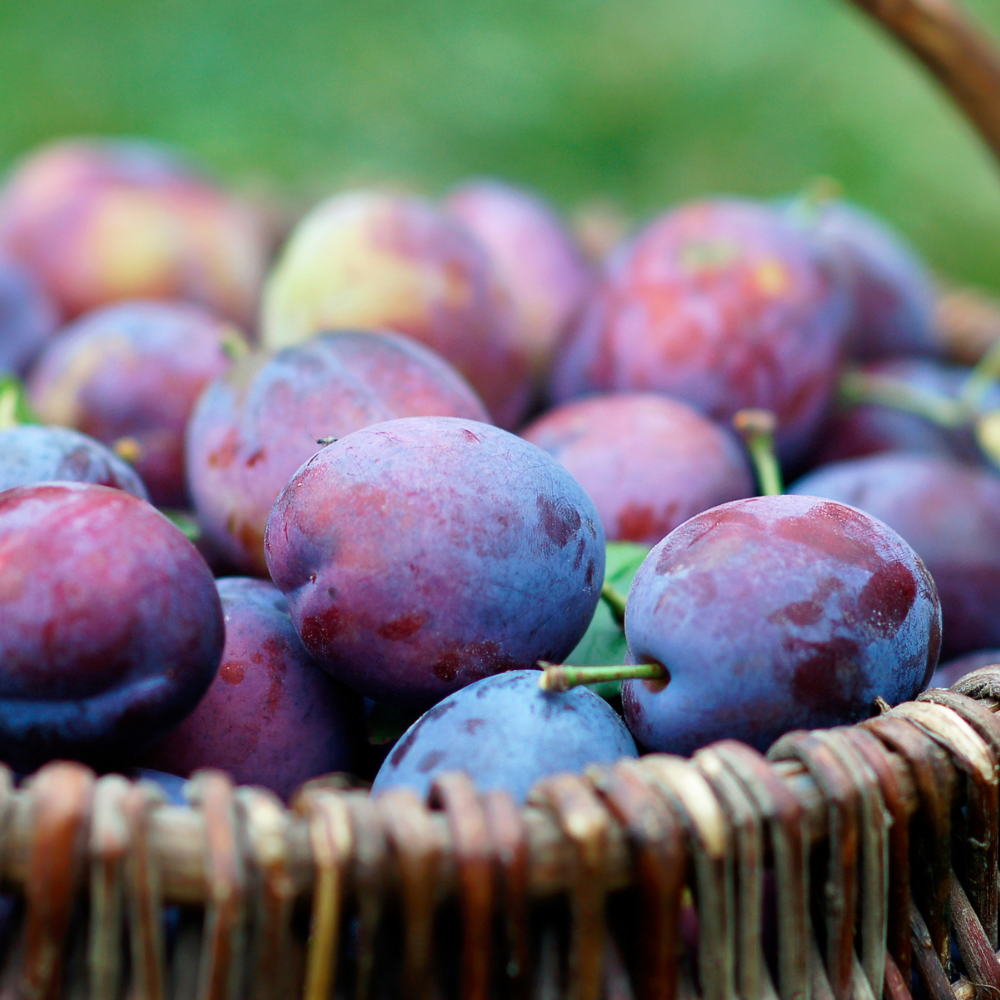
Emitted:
pixel 604 642
pixel 14 408
pixel 386 723
pixel 188 525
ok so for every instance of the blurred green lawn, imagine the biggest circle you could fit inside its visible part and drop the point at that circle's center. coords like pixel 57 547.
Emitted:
pixel 645 102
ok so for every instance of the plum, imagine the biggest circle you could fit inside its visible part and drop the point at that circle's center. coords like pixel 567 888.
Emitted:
pixel 507 734
pixel 869 428
pixel 950 513
pixel 134 371
pixel 421 554
pixel 648 462
pixel 771 614
pixel 892 291
pixel 102 221
pixel 110 625
pixel 28 317
pixel 33 454
pixel 365 260
pixel 533 254
pixel 257 423
pixel 272 717
pixel 722 304
pixel 954 670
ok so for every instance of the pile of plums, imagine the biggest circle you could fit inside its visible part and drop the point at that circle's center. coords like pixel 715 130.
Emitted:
pixel 329 503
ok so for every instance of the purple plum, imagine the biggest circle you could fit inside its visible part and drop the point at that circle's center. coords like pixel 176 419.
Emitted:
pixel 30 454
pixel 257 423
pixel 950 513
pixel 954 670
pixel 28 318
pixel 891 289
pixel 507 734
pixel 534 256
pixel 129 375
pixel 771 614
pixel 272 717
pixel 421 554
pixel 111 629
pixel 724 305
pixel 648 462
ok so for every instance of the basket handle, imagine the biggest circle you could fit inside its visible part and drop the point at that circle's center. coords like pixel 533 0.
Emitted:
pixel 957 50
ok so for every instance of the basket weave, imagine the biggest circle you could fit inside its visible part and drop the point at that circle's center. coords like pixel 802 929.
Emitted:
pixel 851 864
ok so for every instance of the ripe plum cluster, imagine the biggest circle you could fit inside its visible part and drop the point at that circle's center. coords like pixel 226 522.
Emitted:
pixel 423 431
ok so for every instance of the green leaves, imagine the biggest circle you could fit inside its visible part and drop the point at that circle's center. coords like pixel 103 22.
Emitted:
pixel 604 641
pixel 14 408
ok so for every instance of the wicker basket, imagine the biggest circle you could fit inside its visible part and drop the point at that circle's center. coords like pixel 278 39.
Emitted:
pixel 851 863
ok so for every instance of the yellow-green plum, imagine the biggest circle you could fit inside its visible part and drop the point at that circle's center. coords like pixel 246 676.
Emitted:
pixel 370 260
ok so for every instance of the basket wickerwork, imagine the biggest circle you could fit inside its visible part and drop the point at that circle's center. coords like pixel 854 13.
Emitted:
pixel 850 864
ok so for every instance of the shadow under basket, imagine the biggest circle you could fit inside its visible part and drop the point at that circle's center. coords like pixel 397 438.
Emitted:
pixel 857 863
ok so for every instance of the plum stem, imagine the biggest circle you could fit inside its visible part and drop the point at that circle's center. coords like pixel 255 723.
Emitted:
pixel 817 193
pixel 981 379
pixel 615 601
pixel 757 427
pixel 859 387
pixel 559 677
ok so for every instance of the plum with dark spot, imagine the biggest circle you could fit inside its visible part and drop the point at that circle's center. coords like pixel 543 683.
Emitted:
pixel 110 625
pixel 648 462
pixel 377 261
pixel 949 513
pixel 272 717
pixel 535 257
pixel 507 734
pixel 30 454
pixel 257 423
pixel 954 670
pixel 28 318
pixel 775 613
pixel 421 554
pixel 722 304
pixel 129 375
pixel 104 221
pixel 870 428
pixel 892 291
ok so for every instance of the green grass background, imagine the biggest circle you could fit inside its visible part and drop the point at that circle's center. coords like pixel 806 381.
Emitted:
pixel 645 102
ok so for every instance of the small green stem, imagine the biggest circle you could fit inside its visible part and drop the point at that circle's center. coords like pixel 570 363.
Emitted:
pixel 615 602
pixel 558 677
pixel 981 379
pixel 859 387
pixel 757 427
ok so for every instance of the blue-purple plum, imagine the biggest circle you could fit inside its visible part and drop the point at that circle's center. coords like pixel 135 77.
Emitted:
pixel 272 717
pixel 724 305
pixel 534 256
pixel 506 733
pixel 949 513
pixel 111 629
pixel 30 453
pixel 421 554
pixel 134 371
pixel 28 318
pixel 891 289
pixel 954 670
pixel 367 260
pixel 647 461
pixel 257 423
pixel 775 613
